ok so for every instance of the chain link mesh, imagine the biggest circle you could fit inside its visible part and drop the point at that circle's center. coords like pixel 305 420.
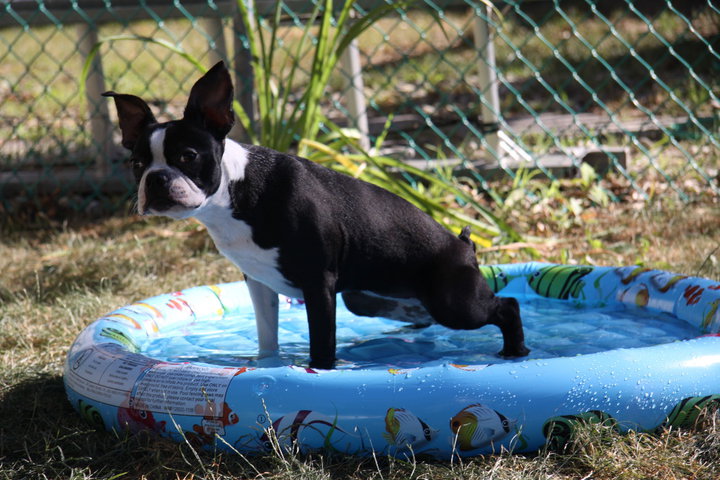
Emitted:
pixel 630 87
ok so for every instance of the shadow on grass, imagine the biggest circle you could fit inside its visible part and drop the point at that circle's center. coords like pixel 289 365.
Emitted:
pixel 41 435
pixel 38 425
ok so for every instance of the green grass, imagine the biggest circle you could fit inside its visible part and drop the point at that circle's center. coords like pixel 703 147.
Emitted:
pixel 57 278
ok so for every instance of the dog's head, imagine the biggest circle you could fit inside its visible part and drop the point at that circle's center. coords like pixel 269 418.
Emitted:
pixel 177 164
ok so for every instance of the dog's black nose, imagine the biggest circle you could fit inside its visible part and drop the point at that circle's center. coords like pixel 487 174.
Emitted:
pixel 157 191
pixel 157 182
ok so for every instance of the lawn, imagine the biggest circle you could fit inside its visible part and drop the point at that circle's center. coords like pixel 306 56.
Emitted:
pixel 59 276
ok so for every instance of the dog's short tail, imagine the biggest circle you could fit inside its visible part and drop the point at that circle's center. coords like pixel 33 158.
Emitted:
pixel 465 237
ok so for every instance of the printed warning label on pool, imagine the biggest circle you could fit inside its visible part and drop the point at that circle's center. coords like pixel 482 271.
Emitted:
pixel 111 375
pixel 181 389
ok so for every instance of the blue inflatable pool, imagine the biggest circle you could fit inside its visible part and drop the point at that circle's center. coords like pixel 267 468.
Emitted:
pixel 629 347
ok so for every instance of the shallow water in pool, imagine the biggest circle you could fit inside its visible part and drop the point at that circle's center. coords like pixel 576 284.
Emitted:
pixel 552 329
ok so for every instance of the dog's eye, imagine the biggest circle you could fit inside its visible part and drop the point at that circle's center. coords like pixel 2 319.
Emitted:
pixel 188 156
pixel 137 163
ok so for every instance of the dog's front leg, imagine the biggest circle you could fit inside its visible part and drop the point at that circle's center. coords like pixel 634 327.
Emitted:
pixel 320 305
pixel 265 304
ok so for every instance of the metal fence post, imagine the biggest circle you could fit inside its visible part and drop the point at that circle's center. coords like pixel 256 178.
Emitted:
pixel 213 27
pixel 100 127
pixel 244 77
pixel 488 82
pixel 354 91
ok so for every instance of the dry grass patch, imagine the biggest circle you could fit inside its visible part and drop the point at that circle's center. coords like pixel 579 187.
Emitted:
pixel 57 279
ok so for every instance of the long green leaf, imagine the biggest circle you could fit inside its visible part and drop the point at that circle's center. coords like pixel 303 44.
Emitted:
pixel 434 208
pixel 366 21
pixel 382 165
pixel 259 81
pixel 270 123
pixel 318 82
pixel 264 81
pixel 457 192
pixel 286 134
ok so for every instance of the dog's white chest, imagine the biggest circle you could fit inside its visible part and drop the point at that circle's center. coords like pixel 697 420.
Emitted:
pixel 234 241
pixel 233 237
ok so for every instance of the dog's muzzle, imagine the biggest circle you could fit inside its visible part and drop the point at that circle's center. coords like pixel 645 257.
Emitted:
pixel 158 194
pixel 168 192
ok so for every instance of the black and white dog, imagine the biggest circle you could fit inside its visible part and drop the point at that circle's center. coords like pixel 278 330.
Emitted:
pixel 296 228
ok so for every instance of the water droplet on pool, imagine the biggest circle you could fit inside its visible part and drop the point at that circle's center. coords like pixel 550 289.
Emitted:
pixel 263 385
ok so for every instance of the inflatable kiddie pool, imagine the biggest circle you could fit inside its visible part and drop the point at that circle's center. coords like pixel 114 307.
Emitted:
pixel 629 347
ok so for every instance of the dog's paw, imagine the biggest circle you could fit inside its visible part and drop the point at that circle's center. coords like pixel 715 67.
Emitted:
pixel 271 362
pixel 521 351
pixel 322 364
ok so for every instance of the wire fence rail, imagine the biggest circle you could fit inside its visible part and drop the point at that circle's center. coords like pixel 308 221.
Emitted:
pixel 628 87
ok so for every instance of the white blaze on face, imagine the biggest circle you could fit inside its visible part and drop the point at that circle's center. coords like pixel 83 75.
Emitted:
pixel 183 191
pixel 157 147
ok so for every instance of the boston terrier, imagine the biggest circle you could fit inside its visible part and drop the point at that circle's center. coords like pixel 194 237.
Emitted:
pixel 305 231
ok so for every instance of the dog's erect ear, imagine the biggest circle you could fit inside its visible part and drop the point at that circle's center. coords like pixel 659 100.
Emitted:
pixel 210 102
pixel 134 115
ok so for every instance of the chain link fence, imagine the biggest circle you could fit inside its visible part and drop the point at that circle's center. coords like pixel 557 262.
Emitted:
pixel 629 87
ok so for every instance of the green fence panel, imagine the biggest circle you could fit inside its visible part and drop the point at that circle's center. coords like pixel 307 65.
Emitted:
pixel 627 86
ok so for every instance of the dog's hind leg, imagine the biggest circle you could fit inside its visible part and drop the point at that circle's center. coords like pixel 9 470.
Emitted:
pixel 461 299
pixel 401 309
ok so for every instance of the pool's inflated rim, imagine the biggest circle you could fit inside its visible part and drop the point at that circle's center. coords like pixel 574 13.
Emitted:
pixel 437 410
